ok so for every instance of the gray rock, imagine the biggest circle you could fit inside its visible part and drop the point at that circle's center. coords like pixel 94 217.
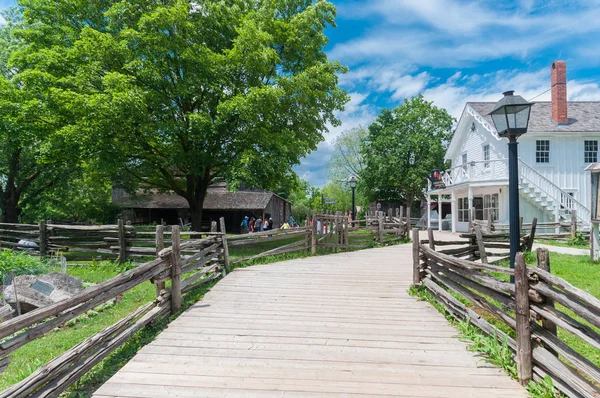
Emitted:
pixel 35 291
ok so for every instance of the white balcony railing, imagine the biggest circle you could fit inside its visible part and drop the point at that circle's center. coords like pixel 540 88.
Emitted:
pixel 491 170
pixel 497 170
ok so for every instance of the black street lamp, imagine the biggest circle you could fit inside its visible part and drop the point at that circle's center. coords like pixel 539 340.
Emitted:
pixel 352 181
pixel 511 119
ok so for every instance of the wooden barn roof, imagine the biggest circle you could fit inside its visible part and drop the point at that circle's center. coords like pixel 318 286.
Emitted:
pixel 215 200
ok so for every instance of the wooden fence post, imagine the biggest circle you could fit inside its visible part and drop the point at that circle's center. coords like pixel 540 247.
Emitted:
pixel 543 262
pixel 391 215
pixel 122 242
pixel 175 269
pixel 573 224
pixel 416 260
pixel 314 235
pixel 213 226
pixel 43 239
pixel 524 353
pixel 160 244
pixel 380 222
pixel 345 226
pixel 480 245
pixel 521 225
pixel 532 234
pixel 490 222
pixel 225 246
pixel 431 239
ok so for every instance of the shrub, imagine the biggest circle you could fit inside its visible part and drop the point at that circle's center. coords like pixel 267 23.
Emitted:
pixel 20 263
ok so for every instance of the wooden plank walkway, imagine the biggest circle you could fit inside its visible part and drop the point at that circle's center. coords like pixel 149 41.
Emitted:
pixel 341 325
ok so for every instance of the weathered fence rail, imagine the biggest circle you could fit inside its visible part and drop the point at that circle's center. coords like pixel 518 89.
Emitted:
pixel 556 230
pixel 205 261
pixel 528 307
pixel 119 242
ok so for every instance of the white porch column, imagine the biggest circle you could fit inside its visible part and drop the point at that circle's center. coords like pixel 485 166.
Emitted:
pixel 556 218
pixel 470 207
pixel 454 212
pixel 428 210
pixel 595 237
pixel 439 212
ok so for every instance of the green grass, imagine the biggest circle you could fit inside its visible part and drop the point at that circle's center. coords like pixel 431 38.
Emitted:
pixel 562 243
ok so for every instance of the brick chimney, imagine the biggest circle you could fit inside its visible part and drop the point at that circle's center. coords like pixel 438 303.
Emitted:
pixel 558 77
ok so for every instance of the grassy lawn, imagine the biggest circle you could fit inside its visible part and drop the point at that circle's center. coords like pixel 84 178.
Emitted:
pixel 562 243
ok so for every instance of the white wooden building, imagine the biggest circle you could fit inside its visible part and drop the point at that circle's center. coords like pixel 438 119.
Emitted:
pixel 562 139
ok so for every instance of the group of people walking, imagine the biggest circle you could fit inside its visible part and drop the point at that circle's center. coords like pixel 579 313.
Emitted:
pixel 251 224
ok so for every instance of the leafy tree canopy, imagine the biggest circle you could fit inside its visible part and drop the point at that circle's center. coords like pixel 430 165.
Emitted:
pixel 33 156
pixel 402 147
pixel 176 93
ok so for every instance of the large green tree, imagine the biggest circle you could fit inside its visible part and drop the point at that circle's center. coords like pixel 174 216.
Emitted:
pixel 401 149
pixel 173 94
pixel 33 156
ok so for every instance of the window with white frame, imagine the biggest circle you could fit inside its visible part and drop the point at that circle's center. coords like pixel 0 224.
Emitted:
pixel 463 209
pixel 490 205
pixel 486 155
pixel 464 161
pixel 590 151
pixel 542 151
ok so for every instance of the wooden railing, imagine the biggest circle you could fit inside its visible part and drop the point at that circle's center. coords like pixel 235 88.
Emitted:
pixel 207 260
pixel 301 243
pixel 119 242
pixel 340 233
pixel 527 307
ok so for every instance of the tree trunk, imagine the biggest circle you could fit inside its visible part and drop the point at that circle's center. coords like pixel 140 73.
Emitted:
pixel 196 214
pixel 10 206
pixel 197 188
pixel 410 199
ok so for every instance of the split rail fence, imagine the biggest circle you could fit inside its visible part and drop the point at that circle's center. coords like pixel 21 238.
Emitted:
pixel 555 230
pixel 533 308
pixel 206 260
pixel 120 242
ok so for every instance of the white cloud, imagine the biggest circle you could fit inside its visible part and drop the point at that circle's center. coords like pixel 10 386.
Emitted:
pixel 395 79
pixel 453 33
pixel 2 20
pixel 357 112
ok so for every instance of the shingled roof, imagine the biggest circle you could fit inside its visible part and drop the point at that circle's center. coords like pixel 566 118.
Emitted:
pixel 215 200
pixel 584 116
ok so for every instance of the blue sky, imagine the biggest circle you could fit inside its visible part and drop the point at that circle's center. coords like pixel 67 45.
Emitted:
pixel 453 51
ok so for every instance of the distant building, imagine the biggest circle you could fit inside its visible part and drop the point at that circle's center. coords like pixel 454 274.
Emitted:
pixel 148 208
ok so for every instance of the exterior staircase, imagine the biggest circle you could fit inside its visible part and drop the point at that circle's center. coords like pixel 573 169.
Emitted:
pixel 550 197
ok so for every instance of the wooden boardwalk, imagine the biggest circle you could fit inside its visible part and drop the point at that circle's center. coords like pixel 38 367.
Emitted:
pixel 341 325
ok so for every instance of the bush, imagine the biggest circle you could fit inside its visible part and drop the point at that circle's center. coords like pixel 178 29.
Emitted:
pixel 20 263
pixel 578 239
